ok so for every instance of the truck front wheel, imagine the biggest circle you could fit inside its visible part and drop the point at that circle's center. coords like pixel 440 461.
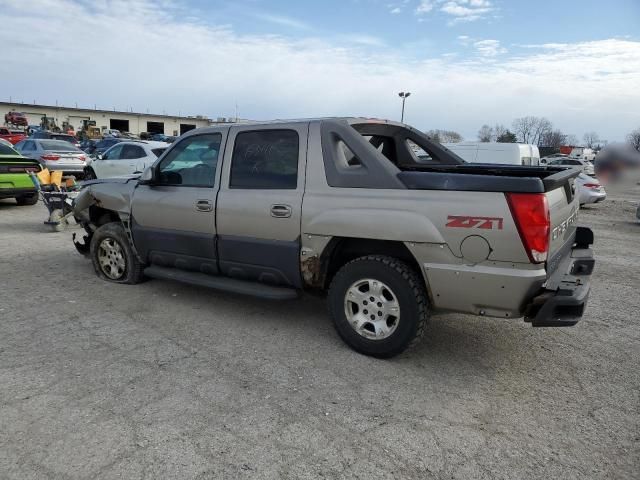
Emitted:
pixel 112 256
pixel 379 305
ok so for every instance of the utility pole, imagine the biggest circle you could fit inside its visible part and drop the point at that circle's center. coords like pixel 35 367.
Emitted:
pixel 403 96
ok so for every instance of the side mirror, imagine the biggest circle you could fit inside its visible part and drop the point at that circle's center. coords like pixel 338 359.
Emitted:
pixel 147 177
pixel 99 156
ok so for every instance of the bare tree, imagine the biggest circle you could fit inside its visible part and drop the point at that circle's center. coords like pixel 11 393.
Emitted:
pixel 553 138
pixel 444 136
pixel 531 129
pixel 572 140
pixel 634 139
pixel 485 134
pixel 498 131
pixel 591 139
pixel 507 137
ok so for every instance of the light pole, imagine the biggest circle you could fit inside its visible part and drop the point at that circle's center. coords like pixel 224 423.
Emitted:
pixel 403 96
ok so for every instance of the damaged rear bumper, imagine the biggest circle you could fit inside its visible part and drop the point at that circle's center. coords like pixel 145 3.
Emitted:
pixel 564 297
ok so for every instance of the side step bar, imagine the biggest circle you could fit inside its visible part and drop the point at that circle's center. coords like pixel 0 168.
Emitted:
pixel 227 284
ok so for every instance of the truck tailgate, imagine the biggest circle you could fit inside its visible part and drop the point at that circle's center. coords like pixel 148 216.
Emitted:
pixel 563 213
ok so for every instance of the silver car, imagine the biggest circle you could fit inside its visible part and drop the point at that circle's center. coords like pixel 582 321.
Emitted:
pixel 585 165
pixel 55 155
pixel 589 189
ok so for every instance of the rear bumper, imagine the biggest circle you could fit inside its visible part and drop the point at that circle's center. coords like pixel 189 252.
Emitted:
pixel 17 192
pixel 66 168
pixel 563 299
pixel 592 197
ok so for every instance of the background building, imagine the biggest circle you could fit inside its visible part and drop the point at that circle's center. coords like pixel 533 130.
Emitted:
pixel 106 119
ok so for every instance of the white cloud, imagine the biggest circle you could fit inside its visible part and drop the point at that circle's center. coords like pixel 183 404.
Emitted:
pixel 283 21
pixel 459 10
pixel 395 10
pixel 489 48
pixel 425 6
pixel 152 58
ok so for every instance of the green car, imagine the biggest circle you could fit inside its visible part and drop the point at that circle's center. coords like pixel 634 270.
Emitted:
pixel 15 181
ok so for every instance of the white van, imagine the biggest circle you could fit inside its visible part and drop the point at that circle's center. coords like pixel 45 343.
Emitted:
pixel 504 153
pixel 583 153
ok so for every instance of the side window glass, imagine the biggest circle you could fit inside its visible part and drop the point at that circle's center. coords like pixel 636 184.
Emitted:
pixel 130 152
pixel 192 162
pixel 113 153
pixel 266 159
pixel 419 154
pixel 345 156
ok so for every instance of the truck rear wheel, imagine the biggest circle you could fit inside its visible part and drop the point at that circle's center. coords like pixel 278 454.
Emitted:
pixel 379 305
pixel 112 256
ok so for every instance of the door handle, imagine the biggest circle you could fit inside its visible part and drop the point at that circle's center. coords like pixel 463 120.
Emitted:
pixel 281 211
pixel 204 205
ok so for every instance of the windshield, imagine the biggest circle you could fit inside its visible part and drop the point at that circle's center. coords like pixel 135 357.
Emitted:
pixel 58 146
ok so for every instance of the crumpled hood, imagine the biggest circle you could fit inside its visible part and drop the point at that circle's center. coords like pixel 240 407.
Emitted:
pixel 110 193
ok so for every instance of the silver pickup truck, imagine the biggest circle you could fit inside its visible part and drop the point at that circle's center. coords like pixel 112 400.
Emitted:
pixel 388 224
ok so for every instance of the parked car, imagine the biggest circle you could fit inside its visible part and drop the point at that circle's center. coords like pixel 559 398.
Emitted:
pixel 15 181
pixel 589 189
pixel 55 155
pixel 161 137
pixel 584 165
pixel 111 132
pixel 31 129
pixel 492 152
pixel 88 146
pixel 16 118
pixel 11 135
pixel 104 145
pixel 387 237
pixel 125 158
pixel 549 158
pixel 44 134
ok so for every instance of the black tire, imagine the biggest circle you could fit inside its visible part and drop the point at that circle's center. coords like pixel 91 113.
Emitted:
pixel 113 233
pixel 27 199
pixel 408 288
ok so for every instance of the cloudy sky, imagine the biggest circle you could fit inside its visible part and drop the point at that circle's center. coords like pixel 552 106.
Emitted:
pixel 465 62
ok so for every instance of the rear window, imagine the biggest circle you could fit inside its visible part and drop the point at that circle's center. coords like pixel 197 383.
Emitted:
pixel 158 151
pixel 58 146
pixel 66 138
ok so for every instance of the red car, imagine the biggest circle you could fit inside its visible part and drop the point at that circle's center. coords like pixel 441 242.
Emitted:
pixel 13 136
pixel 16 118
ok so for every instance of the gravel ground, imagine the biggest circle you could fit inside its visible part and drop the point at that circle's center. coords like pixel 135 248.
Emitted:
pixel 162 380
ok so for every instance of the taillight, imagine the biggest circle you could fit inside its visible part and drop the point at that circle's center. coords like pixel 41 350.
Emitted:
pixel 82 157
pixel 53 158
pixel 592 185
pixel 530 212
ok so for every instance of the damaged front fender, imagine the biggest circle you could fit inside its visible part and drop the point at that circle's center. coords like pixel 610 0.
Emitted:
pixel 99 202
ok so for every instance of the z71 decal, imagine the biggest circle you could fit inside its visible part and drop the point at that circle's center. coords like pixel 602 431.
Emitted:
pixel 487 223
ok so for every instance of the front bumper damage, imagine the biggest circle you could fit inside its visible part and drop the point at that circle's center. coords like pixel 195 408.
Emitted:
pixel 564 297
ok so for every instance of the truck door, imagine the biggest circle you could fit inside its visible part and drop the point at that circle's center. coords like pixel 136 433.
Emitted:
pixel 173 220
pixel 260 203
